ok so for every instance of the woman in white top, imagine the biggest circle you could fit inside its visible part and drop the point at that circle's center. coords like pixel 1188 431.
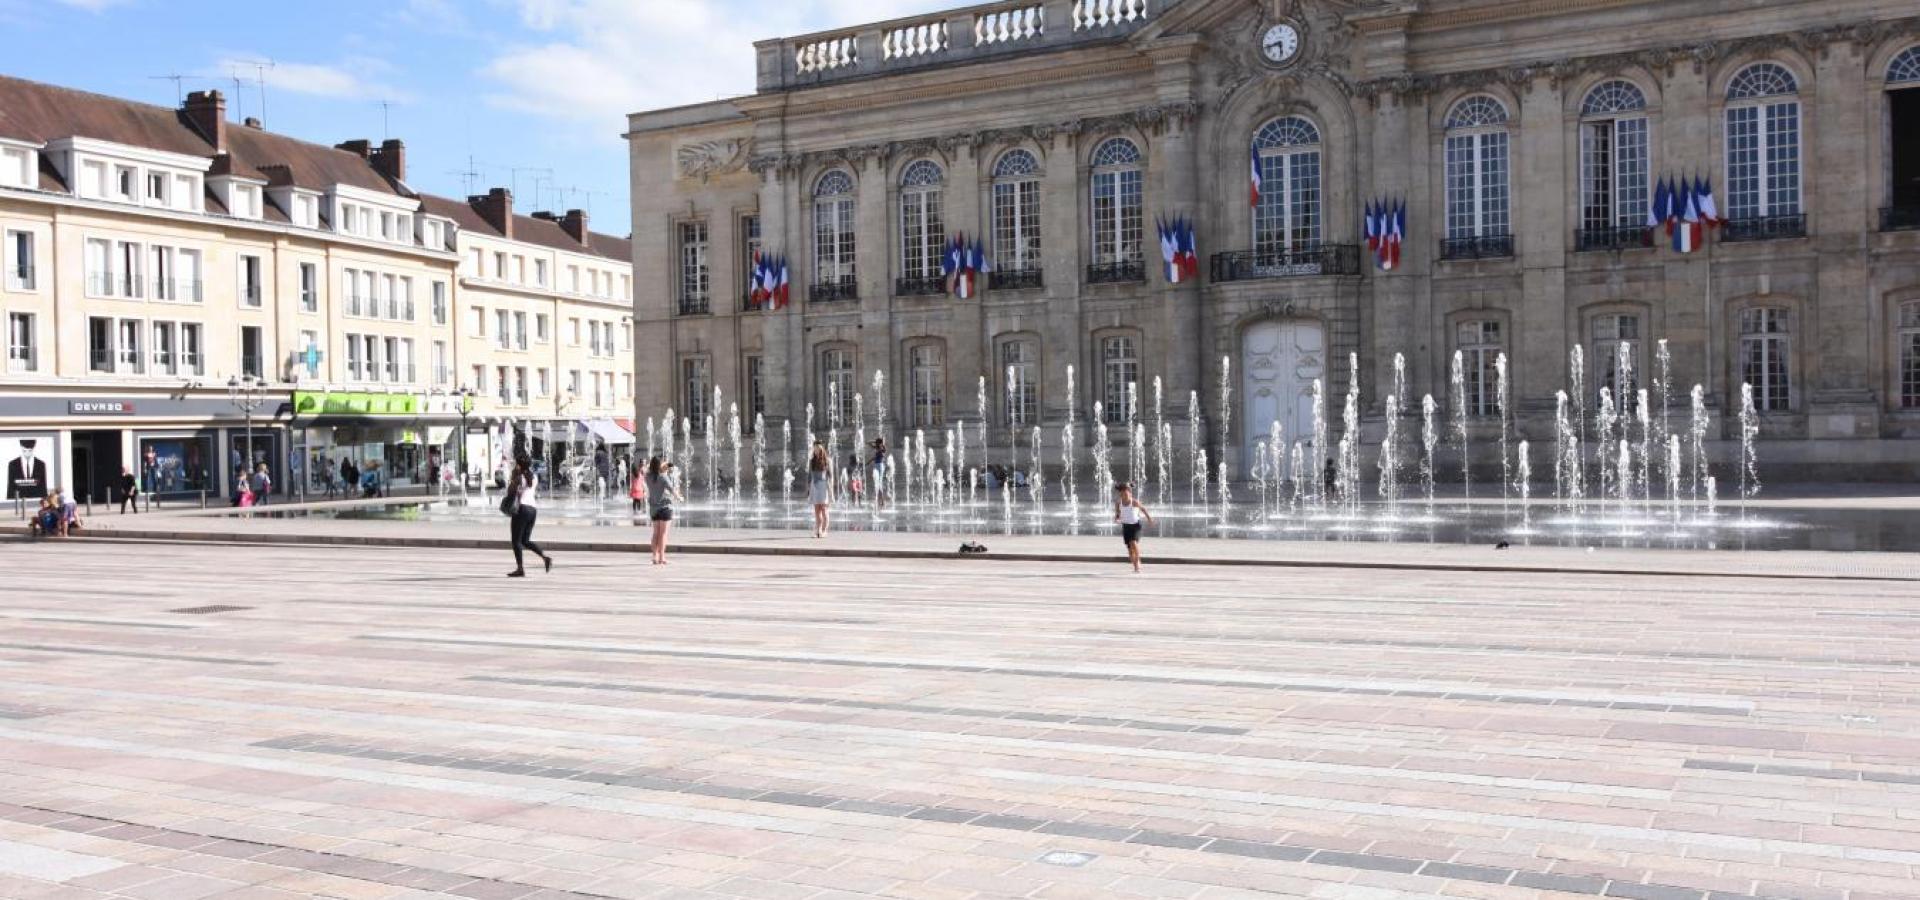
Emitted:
pixel 525 486
pixel 1128 512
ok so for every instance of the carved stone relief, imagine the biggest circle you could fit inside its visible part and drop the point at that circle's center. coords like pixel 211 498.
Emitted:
pixel 706 159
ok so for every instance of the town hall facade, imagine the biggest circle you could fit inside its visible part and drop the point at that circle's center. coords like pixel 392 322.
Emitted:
pixel 1528 141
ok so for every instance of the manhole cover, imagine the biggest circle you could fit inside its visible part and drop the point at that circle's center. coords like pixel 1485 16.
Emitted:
pixel 207 610
pixel 1067 858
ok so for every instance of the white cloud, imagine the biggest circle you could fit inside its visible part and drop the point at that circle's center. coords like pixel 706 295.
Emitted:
pixel 595 61
pixel 92 6
pixel 351 79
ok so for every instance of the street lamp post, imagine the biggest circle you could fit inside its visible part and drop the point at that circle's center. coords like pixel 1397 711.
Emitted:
pixel 244 392
pixel 466 408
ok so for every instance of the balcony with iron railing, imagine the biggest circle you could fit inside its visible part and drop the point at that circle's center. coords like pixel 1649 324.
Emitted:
pixel 950 37
pixel 919 285
pixel 1764 228
pixel 183 290
pixel 1900 218
pixel 250 294
pixel 1480 246
pixel 113 284
pixel 692 305
pixel 1020 279
pixel 1306 261
pixel 833 288
pixel 1612 237
pixel 1117 271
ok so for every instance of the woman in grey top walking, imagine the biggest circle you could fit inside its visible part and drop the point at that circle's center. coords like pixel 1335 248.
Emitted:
pixel 663 487
pixel 819 486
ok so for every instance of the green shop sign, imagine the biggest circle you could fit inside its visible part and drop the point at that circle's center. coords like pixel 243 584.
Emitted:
pixel 348 403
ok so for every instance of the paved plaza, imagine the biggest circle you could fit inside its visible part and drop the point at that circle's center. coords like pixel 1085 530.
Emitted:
pixel 194 719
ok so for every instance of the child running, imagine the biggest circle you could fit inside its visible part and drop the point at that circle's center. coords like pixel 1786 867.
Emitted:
pixel 1128 512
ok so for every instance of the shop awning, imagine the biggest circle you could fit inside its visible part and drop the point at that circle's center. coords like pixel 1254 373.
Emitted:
pixel 608 430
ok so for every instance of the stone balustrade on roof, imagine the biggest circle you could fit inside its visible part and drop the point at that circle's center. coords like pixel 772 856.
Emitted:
pixel 953 37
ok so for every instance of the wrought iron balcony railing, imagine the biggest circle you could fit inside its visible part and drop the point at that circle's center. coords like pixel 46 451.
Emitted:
pixel 1305 261
pixel 827 290
pixel 1618 237
pixel 1015 279
pixel 1485 246
pixel 689 306
pixel 1900 218
pixel 919 285
pixel 1117 271
pixel 1764 228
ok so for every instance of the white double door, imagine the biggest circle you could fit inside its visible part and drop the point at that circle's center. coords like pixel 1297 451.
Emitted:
pixel 1279 362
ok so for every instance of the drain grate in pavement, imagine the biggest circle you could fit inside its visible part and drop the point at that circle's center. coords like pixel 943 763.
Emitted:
pixel 208 610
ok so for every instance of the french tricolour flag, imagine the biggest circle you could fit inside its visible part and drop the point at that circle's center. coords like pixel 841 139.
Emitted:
pixel 1253 186
pixel 760 294
pixel 1686 229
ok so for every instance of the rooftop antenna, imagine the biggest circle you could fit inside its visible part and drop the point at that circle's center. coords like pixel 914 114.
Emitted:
pixel 516 170
pixel 470 176
pixel 260 67
pixel 384 106
pixel 179 93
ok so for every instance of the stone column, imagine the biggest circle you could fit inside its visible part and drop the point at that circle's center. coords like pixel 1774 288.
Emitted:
pixel 1187 346
pixel 1539 209
pixel 969 350
pixel 1842 378
pixel 1063 231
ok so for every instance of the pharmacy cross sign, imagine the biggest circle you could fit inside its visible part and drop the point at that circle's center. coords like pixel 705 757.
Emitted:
pixel 311 359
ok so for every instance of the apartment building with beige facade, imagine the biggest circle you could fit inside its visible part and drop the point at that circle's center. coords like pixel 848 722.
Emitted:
pixel 1526 142
pixel 162 266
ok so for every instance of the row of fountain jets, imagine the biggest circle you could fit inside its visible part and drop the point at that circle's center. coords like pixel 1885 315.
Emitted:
pixel 1634 451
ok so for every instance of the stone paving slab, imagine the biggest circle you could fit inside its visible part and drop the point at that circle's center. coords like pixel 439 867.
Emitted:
pixel 348 721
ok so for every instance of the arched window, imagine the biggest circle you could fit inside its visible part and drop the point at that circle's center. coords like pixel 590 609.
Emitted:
pixel 1908 338
pixel 1016 220
pixel 1903 141
pixel 923 235
pixel 833 237
pixel 1477 171
pixel 1763 145
pixel 1477 347
pixel 1287 218
pixel 1616 356
pixel 1765 361
pixel 1119 369
pixel 1613 161
pixel 1116 212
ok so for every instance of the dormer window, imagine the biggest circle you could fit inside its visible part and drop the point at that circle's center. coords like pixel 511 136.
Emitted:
pixel 123 183
pixel 157 188
pixel 17 166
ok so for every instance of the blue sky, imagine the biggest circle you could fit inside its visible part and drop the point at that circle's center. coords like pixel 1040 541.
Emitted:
pixel 533 91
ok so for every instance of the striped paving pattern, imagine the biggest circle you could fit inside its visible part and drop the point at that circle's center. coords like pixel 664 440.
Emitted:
pixel 385 723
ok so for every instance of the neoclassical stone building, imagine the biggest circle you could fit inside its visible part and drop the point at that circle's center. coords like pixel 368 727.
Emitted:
pixel 1527 141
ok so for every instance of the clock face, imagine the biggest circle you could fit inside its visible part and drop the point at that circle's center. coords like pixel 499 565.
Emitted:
pixel 1281 43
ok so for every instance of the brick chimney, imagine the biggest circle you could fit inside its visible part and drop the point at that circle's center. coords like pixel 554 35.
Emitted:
pixel 391 159
pixel 361 147
pixel 495 206
pixel 206 111
pixel 575 225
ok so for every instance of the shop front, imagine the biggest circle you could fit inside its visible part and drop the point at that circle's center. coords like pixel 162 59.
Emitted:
pixel 391 441
pixel 179 445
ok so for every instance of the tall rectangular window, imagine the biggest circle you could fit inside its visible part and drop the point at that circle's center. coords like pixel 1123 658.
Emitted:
pixel 1116 216
pixel 130 350
pixel 502 329
pixel 394 362
pixel 99 260
pixel 520 385
pixel 540 272
pixel 923 233
pixel 187 275
pixel 442 367
pixel 1611 333
pixel 749 249
pixel 100 333
pixel 252 286
pixel 439 303
pixel 696 388
pixel 20 261
pixel 1765 361
pixel 1479 343
pixel 693 268
pixel 1763 158
pixel 1119 368
pixel 350 279
pixel 193 356
pixel 520 330
pixel 131 283
pixel 1477 185
pixel 1019 371
pixel 1016 221
pixel 542 328
pixel 1613 173
pixel 833 232
pixel 837 384
pixel 927 368
pixel 164 361
pixel 757 398
pixel 309 287
pixel 160 261
pixel 504 383
pixel 1908 339
pixel 22 355
pixel 252 351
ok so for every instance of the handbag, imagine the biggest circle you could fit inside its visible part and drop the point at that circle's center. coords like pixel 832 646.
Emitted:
pixel 510 501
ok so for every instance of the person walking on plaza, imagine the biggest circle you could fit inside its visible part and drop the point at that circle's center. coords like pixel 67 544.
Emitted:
pixel 663 487
pixel 349 477
pixel 1128 512
pixel 262 485
pixel 637 491
pixel 242 491
pixel 819 486
pixel 524 486
pixel 129 490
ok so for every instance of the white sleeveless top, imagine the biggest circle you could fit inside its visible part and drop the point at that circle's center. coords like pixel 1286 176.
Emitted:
pixel 1129 515
pixel 529 490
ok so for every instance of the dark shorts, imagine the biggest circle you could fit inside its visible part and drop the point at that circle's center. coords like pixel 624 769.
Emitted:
pixel 1130 533
pixel 663 515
